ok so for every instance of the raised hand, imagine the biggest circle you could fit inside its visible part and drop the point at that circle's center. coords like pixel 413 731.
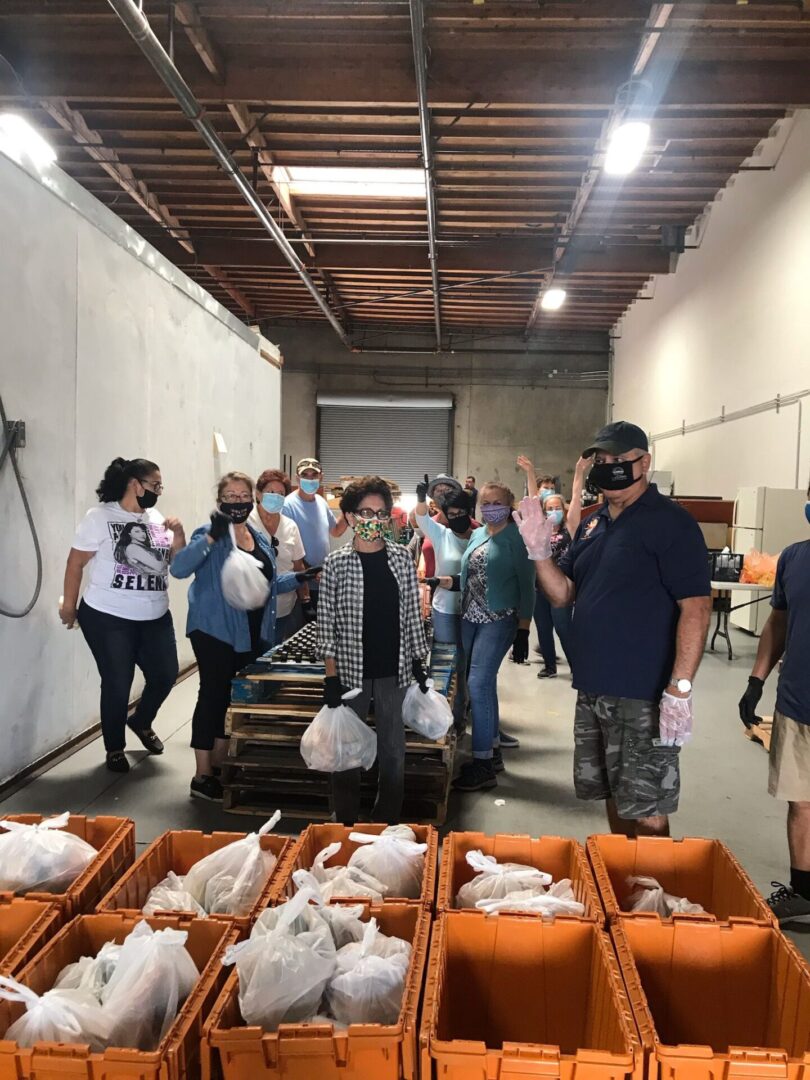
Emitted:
pixel 535 528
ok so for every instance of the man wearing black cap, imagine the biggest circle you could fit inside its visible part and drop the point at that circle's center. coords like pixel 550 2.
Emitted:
pixel 638 575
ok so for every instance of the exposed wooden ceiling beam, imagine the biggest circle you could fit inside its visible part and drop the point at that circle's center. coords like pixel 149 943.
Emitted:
pixel 188 16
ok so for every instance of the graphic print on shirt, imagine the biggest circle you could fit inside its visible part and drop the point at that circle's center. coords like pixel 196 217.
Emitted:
pixel 141 553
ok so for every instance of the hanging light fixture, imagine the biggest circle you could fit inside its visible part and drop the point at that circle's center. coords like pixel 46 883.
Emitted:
pixel 19 140
pixel 553 299
pixel 631 131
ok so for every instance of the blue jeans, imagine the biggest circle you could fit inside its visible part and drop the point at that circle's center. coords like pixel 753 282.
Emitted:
pixel 447 628
pixel 547 619
pixel 485 646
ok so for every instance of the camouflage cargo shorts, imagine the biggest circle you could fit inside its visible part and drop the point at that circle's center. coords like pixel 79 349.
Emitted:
pixel 615 756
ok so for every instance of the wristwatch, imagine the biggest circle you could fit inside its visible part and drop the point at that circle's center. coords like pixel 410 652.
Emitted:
pixel 683 686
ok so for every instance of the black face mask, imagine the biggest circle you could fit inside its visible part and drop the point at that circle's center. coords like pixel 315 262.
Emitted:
pixel 147 500
pixel 615 476
pixel 459 524
pixel 237 512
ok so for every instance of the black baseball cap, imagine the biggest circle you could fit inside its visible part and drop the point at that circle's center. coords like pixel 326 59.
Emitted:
pixel 618 438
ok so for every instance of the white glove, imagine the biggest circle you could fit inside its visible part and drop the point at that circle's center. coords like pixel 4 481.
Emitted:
pixel 535 528
pixel 675 720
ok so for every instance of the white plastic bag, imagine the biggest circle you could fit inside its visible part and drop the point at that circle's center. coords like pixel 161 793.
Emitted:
pixel 152 979
pixel 370 981
pixel 343 880
pixel 229 881
pixel 59 1016
pixel 427 714
pixel 282 975
pixel 648 895
pixel 171 894
pixel 43 857
pixel 338 740
pixel 494 880
pixel 342 919
pixel 559 900
pixel 244 586
pixel 397 862
pixel 90 973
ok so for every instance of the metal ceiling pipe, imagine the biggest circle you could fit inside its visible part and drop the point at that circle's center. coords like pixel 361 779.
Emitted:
pixel 420 66
pixel 140 31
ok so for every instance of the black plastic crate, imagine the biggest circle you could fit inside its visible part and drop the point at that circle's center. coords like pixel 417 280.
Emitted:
pixel 725 565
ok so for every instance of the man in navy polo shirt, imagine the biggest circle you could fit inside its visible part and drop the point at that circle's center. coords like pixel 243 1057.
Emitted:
pixel 786 636
pixel 638 574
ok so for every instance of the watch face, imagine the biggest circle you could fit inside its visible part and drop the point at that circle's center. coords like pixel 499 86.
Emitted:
pixel 684 686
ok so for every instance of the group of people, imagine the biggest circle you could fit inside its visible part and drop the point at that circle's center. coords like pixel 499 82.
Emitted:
pixel 626 588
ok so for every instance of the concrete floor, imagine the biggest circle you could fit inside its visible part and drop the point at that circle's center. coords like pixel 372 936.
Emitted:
pixel 724 775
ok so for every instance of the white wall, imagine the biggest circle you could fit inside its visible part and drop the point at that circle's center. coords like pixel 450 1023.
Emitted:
pixel 731 328
pixel 106 350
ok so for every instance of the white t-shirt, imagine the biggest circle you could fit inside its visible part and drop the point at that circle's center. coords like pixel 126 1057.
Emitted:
pixel 290 550
pixel 449 550
pixel 130 566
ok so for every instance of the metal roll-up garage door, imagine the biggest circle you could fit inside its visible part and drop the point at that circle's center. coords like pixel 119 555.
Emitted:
pixel 399 437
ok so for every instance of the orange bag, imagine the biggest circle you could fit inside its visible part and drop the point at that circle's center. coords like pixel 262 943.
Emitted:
pixel 759 568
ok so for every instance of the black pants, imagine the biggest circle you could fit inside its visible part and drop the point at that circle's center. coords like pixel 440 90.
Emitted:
pixel 218 662
pixel 118 647
pixel 388 698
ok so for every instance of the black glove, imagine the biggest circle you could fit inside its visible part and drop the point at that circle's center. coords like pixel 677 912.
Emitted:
pixel 520 647
pixel 419 673
pixel 220 523
pixel 432 582
pixel 308 574
pixel 750 700
pixel 421 489
pixel 332 692
pixel 309 611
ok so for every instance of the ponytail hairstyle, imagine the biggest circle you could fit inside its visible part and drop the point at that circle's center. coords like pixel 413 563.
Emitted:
pixel 118 474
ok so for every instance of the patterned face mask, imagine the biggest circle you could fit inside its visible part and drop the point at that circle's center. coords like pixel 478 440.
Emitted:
pixel 370 530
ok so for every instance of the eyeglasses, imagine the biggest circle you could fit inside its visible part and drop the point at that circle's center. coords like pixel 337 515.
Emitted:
pixel 235 497
pixel 150 485
pixel 366 514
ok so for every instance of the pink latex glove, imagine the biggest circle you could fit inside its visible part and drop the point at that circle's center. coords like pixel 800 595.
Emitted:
pixel 675 720
pixel 535 528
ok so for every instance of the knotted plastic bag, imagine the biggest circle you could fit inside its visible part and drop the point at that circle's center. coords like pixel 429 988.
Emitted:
pixel 427 714
pixel 90 973
pixel 171 894
pixel 244 586
pixel 370 980
pixel 152 979
pixel 344 920
pixel 648 895
pixel 392 857
pixel 57 1016
pixel 43 857
pixel 229 881
pixel 338 740
pixel 283 974
pixel 494 880
pixel 559 900
pixel 343 880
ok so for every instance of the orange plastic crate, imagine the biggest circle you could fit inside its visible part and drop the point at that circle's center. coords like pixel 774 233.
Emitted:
pixel 518 996
pixel 704 871
pixel 25 926
pixel 562 858
pixel 715 1000
pixel 233 1051
pixel 177 1057
pixel 316 837
pixel 178 850
pixel 112 837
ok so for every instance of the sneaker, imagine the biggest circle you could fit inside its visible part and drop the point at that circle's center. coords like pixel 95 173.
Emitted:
pixel 547 673
pixel 788 905
pixel 150 740
pixel 206 788
pixel 476 775
pixel 508 742
pixel 117 762
pixel 497 760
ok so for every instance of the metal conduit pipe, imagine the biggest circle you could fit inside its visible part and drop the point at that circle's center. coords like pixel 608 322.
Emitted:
pixel 140 31
pixel 420 66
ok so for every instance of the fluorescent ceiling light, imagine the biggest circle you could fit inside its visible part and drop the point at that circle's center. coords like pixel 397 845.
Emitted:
pixel 626 147
pixel 552 299
pixel 350 183
pixel 19 140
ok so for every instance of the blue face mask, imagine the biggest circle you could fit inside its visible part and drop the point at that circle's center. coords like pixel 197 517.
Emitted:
pixel 309 487
pixel 272 502
pixel 544 494
pixel 807 512
pixel 556 516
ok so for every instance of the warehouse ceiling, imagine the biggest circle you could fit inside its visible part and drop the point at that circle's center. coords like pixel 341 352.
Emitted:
pixel 519 93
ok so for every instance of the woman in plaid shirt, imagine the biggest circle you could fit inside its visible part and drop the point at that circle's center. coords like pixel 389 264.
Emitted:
pixel 371 637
